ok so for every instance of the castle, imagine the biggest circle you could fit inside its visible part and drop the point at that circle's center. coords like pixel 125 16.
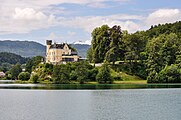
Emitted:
pixel 60 53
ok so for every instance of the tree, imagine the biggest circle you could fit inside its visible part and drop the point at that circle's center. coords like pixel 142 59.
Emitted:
pixel 116 48
pixel 24 76
pixel 104 75
pixel 89 55
pixel 106 42
pixel 82 72
pixel 61 74
pixel 100 43
pixel 170 74
pixel 34 78
pixel 33 63
pixel 135 44
pixel 111 55
pixel 5 67
pixel 15 70
pixel 56 74
pixel 162 51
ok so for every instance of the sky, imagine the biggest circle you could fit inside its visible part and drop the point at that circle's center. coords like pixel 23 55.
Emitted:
pixel 73 20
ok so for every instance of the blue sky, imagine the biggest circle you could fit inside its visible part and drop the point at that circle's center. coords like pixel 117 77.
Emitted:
pixel 74 20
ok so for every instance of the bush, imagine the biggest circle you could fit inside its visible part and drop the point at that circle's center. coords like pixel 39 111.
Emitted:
pixel 104 75
pixel 170 74
pixel 34 78
pixel 153 77
pixel 24 76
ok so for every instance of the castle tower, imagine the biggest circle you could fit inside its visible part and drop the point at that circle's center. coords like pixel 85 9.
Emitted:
pixel 48 43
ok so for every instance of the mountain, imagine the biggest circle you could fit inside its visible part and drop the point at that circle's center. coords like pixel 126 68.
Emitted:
pixel 82 49
pixel 11 58
pixel 23 48
pixel 30 48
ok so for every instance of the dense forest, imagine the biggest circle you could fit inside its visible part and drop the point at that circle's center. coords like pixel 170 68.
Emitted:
pixel 154 54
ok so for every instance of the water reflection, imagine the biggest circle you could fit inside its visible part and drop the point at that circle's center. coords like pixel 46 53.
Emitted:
pixel 86 86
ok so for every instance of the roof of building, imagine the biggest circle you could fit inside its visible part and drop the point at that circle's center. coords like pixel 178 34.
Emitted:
pixel 57 46
pixel 61 46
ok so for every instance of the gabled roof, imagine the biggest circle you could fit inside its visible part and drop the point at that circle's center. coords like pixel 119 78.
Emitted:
pixel 57 46
pixel 61 46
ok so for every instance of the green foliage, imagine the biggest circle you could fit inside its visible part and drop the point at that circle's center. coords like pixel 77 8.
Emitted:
pixel 170 74
pixel 90 55
pixel 5 67
pixel 104 75
pixel 32 63
pixel 164 29
pixel 110 55
pixel 10 58
pixel 15 70
pixel 61 74
pixel 143 53
pixel 163 51
pixel 34 78
pixel 106 42
pixel 82 72
pixel 92 74
pixel 8 75
pixel 135 44
pixel 100 43
pixel 24 76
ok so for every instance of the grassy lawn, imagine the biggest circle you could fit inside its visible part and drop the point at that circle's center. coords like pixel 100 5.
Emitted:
pixel 131 82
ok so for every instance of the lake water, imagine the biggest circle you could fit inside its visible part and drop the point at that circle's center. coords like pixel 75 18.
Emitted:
pixel 85 86
pixel 123 104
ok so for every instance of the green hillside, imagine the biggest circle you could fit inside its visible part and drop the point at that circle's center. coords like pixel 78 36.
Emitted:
pixel 11 58
pixel 23 48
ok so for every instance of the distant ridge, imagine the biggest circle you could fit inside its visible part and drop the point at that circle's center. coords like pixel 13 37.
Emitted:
pixel 23 48
pixel 31 48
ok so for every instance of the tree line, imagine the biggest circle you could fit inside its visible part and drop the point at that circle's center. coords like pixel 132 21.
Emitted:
pixel 154 54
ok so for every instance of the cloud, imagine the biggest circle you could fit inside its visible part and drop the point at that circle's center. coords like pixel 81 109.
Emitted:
pixel 28 14
pixel 88 23
pixel 25 20
pixel 45 3
pixel 162 16
pixel 22 16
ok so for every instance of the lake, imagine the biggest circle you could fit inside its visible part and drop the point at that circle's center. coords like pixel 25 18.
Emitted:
pixel 122 104
pixel 4 85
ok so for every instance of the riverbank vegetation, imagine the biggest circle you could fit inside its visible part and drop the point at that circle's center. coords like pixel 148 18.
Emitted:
pixel 152 56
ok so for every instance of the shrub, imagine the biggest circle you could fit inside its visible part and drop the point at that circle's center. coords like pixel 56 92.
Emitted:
pixel 170 74
pixel 104 75
pixel 34 78
pixel 24 76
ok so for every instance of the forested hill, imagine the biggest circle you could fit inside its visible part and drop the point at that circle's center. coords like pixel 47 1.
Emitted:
pixel 11 58
pixel 153 54
pixel 23 48
pixel 167 28
pixel 30 48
